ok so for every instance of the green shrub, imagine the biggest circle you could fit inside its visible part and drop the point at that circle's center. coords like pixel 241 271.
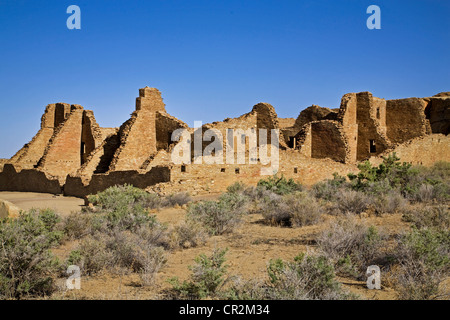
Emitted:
pixel 209 274
pixel 424 258
pixel 26 262
pixel 124 207
pixel 280 185
pixel 221 216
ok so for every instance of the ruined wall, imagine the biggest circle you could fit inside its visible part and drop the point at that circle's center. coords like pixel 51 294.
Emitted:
pixel 91 135
pixel 76 187
pixel 200 178
pixel 424 150
pixel 347 117
pixel 327 140
pixel 100 159
pixel 29 156
pixel 372 138
pixel 27 180
pixel 323 139
pixel 165 125
pixel 405 119
pixel 438 113
pixel 138 135
pixel 63 153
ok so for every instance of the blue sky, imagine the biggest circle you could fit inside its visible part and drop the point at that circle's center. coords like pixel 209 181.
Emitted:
pixel 213 59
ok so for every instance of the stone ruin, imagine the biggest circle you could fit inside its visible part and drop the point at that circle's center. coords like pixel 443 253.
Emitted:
pixel 72 155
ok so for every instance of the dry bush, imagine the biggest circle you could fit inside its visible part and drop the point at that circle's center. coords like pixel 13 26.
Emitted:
pixel 274 209
pixel 308 277
pixel 428 216
pixel 78 225
pixel 189 234
pixel 179 198
pixel 389 203
pixel 304 210
pixel 349 201
pixel 352 246
pixel 219 217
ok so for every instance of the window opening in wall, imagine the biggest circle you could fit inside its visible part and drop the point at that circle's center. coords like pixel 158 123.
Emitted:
pixel 236 170
pixel 222 170
pixel 378 113
pixel 183 168
pixel 295 170
pixel 291 142
pixel 372 146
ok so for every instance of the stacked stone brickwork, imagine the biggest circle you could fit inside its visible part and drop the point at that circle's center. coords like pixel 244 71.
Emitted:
pixel 72 154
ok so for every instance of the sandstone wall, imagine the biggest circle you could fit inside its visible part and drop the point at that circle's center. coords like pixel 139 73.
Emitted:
pixel 405 119
pixel 29 156
pixel 424 150
pixel 63 153
pixel 438 113
pixel 28 180
pixel 76 187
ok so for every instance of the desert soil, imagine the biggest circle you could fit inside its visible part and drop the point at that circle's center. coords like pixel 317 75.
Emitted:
pixel 250 249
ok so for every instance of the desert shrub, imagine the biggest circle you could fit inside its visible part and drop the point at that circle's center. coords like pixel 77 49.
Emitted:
pixel 137 252
pixel 352 246
pixel 124 207
pixel 179 198
pixel 296 209
pixel 389 203
pixel 237 187
pixel 92 254
pixel 304 210
pixel 78 225
pixel 221 216
pixel 26 262
pixel 280 185
pixel 189 234
pixel 391 170
pixel 124 196
pixel 329 188
pixel 208 276
pixel 121 251
pixel 427 192
pixel 308 277
pixel 424 257
pixel 349 201
pixel 240 289
pixel 428 216
pixel 275 210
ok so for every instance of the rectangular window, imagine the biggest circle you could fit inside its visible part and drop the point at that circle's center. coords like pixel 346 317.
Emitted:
pixel 222 170
pixel 183 168
pixel 372 146
pixel 295 170
pixel 236 170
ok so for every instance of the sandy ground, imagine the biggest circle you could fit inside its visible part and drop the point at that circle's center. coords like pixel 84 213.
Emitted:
pixel 250 249
pixel 28 200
